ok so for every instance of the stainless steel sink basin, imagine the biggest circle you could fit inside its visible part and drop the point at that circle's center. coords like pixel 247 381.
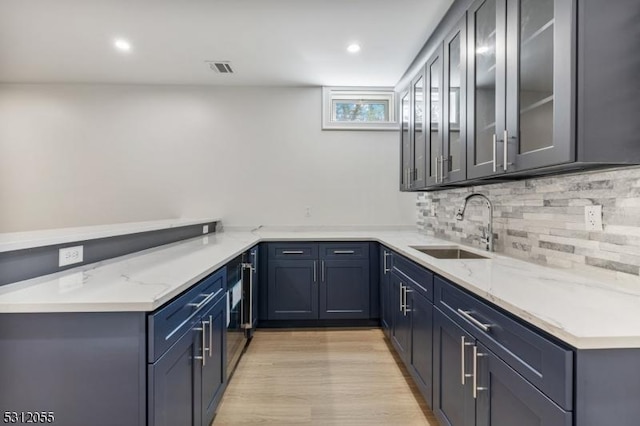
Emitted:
pixel 449 253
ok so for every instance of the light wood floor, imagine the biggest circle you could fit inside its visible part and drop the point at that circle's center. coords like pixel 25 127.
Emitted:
pixel 326 377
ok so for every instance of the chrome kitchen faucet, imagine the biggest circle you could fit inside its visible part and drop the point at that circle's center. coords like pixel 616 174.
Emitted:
pixel 487 233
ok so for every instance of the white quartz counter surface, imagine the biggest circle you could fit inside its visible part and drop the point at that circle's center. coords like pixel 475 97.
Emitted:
pixel 584 313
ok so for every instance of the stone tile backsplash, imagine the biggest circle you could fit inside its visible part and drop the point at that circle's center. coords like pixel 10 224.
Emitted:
pixel 542 220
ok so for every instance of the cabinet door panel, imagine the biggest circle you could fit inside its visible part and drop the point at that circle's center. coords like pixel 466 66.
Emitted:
pixel 418 141
pixel 405 142
pixel 453 401
pixel 344 289
pixel 422 344
pixel 433 117
pixel 540 72
pixel 401 332
pixel 486 93
pixel 293 292
pixel 213 370
pixel 454 102
pixel 174 381
pixel 505 398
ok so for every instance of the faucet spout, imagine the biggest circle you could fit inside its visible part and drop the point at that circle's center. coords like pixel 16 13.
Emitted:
pixel 487 233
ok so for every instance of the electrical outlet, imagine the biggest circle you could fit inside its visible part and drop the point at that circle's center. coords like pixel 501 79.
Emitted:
pixel 205 229
pixel 307 212
pixel 593 218
pixel 70 255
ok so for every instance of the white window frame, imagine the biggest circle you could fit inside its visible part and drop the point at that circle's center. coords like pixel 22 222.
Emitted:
pixel 331 94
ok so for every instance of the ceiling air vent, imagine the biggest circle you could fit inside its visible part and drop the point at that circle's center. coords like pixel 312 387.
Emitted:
pixel 221 67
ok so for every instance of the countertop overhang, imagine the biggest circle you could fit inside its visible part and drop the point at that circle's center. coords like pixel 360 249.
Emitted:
pixel 581 311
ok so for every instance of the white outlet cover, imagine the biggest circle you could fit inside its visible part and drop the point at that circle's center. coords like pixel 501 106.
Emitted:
pixel 205 229
pixel 593 218
pixel 70 255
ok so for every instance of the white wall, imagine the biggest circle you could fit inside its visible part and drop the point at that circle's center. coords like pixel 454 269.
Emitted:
pixel 73 155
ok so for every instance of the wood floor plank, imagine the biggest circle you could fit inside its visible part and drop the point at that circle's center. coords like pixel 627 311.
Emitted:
pixel 321 377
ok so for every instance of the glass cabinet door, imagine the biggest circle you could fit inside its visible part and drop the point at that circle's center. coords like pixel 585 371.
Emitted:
pixel 486 94
pixel 538 83
pixel 419 161
pixel 455 60
pixel 405 143
pixel 433 117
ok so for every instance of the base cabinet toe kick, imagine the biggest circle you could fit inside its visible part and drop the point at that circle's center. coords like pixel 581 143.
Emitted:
pixel 478 365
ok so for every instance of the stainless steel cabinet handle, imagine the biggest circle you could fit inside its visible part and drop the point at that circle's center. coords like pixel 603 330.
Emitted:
pixel 384 261
pixel 401 298
pixel 463 367
pixel 250 325
pixel 506 148
pixel 204 301
pixel 495 155
pixel 406 306
pixel 476 388
pixel 315 271
pixel 210 336
pixel 292 252
pixel 467 315
pixel 203 329
pixel 322 271
pixel 343 252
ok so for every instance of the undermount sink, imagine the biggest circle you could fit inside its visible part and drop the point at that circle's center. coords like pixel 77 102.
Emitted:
pixel 448 253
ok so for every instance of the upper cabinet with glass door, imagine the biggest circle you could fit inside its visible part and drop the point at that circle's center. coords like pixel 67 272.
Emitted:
pixel 520 74
pixel 405 141
pixel 418 140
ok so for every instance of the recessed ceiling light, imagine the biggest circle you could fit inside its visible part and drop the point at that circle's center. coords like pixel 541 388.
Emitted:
pixel 353 48
pixel 122 45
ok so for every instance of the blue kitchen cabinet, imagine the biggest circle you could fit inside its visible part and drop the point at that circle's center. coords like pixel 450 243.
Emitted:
pixel 344 289
pixel 506 398
pixel 401 331
pixel 385 291
pixel 174 381
pixel 293 289
pixel 319 281
pixel 213 369
pixel 421 365
pixel 186 380
pixel 453 402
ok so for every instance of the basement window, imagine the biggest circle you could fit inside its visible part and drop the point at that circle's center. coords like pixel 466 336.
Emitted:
pixel 358 108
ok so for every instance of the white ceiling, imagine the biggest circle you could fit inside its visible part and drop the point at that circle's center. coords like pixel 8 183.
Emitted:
pixel 269 42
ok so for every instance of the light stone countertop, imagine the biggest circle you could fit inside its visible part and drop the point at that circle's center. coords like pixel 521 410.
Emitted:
pixel 582 312
pixel 10 241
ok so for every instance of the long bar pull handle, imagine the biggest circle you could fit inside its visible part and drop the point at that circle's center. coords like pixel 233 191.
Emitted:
pixel 467 315
pixel 495 154
pixel 401 290
pixel 343 251
pixel 204 301
pixel 462 366
pixel 404 311
pixel 384 261
pixel 210 336
pixel 315 271
pixel 322 271
pixel 506 150
pixel 250 325
pixel 476 388
pixel 203 329
pixel 292 252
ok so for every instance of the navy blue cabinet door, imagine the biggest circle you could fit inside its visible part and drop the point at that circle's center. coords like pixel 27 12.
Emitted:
pixel 293 289
pixel 422 344
pixel 505 398
pixel 401 332
pixel 453 401
pixel 385 291
pixel 175 381
pixel 213 369
pixel 344 289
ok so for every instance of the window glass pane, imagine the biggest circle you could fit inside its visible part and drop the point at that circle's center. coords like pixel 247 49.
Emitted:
pixel 434 112
pixel 361 111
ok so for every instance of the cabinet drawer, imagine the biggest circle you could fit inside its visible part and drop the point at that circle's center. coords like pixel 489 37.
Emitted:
pixel 547 365
pixel 420 279
pixel 169 323
pixel 293 251
pixel 336 251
